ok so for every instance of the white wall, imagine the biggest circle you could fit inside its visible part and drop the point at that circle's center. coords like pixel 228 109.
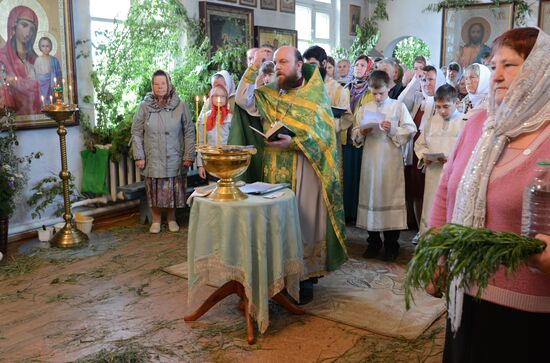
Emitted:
pixel 345 38
pixel 408 19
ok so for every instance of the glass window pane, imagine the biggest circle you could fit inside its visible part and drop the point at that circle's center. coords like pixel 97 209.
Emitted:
pixel 109 9
pixel 324 1
pixel 303 45
pixel 322 25
pixel 325 46
pixel 303 22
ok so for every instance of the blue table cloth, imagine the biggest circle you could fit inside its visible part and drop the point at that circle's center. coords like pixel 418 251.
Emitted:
pixel 256 241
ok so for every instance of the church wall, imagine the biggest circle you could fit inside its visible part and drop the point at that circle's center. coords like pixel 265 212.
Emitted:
pixel 343 23
pixel 408 19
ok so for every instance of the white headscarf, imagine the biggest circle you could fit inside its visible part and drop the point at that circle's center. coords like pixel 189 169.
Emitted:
pixel 525 108
pixel 483 86
pixel 230 85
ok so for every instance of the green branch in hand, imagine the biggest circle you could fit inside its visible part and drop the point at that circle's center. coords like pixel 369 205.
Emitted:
pixel 471 255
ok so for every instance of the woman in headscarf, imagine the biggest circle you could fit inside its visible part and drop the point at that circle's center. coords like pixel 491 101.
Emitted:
pixel 351 155
pixel 17 59
pixel 482 186
pixel 163 139
pixel 223 78
pixel 477 79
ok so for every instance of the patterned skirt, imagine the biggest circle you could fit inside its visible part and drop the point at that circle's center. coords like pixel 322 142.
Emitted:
pixel 166 192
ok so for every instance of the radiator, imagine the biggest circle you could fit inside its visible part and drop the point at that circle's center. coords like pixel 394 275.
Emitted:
pixel 121 172
pixel 124 172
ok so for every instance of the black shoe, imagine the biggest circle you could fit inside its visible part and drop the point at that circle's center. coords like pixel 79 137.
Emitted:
pixel 390 255
pixel 306 295
pixel 371 252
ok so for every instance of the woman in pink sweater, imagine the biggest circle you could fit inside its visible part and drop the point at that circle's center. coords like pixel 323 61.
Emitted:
pixel 482 186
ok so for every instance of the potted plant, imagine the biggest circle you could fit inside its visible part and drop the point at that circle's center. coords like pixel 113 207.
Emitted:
pixel 13 173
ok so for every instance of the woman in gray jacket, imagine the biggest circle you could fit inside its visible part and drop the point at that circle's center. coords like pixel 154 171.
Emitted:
pixel 163 140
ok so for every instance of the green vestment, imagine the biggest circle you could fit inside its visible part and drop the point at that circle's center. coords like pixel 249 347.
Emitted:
pixel 306 110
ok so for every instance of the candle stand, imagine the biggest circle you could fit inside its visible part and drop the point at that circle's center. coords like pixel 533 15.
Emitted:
pixel 69 236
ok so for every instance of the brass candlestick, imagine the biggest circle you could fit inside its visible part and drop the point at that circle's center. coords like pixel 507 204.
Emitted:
pixel 69 236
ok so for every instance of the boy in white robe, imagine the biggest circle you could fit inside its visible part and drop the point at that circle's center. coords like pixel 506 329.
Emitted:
pixel 439 137
pixel 382 184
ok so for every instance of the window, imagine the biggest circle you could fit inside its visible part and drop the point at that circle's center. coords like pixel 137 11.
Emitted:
pixel 104 14
pixel 313 24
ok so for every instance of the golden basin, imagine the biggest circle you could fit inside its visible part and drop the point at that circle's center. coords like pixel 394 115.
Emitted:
pixel 226 162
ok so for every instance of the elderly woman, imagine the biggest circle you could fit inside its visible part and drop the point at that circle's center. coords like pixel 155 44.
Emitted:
pixel 477 79
pixel 163 139
pixel 482 186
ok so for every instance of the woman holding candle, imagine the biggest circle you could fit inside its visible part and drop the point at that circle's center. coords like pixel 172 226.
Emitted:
pixel 163 139
pixel 215 124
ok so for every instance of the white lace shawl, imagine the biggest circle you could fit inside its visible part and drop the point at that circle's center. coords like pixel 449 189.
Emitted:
pixel 525 108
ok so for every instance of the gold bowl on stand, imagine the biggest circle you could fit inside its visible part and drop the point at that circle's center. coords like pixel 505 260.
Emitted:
pixel 226 162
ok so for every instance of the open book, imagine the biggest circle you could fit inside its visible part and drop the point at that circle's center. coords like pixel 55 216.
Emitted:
pixel 371 120
pixel 275 129
pixel 260 188
pixel 337 112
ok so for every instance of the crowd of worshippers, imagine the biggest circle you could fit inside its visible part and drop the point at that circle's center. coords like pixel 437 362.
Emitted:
pixel 388 173
pixel 377 146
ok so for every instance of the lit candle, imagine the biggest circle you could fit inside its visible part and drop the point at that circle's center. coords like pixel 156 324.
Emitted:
pixel 63 91
pixel 218 120
pixel 197 119
pixel 204 103
pixel 55 81
pixel 71 95
pixel 51 100
pixel 42 101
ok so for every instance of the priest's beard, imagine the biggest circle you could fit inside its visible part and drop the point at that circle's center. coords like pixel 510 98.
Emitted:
pixel 289 81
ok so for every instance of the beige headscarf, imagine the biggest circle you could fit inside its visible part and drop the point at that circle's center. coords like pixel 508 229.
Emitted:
pixel 525 108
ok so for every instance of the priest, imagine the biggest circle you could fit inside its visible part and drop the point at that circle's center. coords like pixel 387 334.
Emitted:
pixel 307 161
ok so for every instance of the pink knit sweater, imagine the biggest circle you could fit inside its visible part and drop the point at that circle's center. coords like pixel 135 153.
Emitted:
pixel 527 290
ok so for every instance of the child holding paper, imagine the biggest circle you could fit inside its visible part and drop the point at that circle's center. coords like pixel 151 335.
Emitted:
pixel 382 185
pixel 436 142
pixel 216 122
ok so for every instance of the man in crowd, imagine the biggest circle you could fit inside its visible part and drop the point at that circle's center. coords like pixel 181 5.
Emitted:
pixel 307 161
pixel 337 94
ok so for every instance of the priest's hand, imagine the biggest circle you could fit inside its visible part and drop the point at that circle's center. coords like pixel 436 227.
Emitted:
pixel 202 172
pixel 366 131
pixel 427 162
pixel 187 163
pixel 140 164
pixel 442 160
pixel 283 143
